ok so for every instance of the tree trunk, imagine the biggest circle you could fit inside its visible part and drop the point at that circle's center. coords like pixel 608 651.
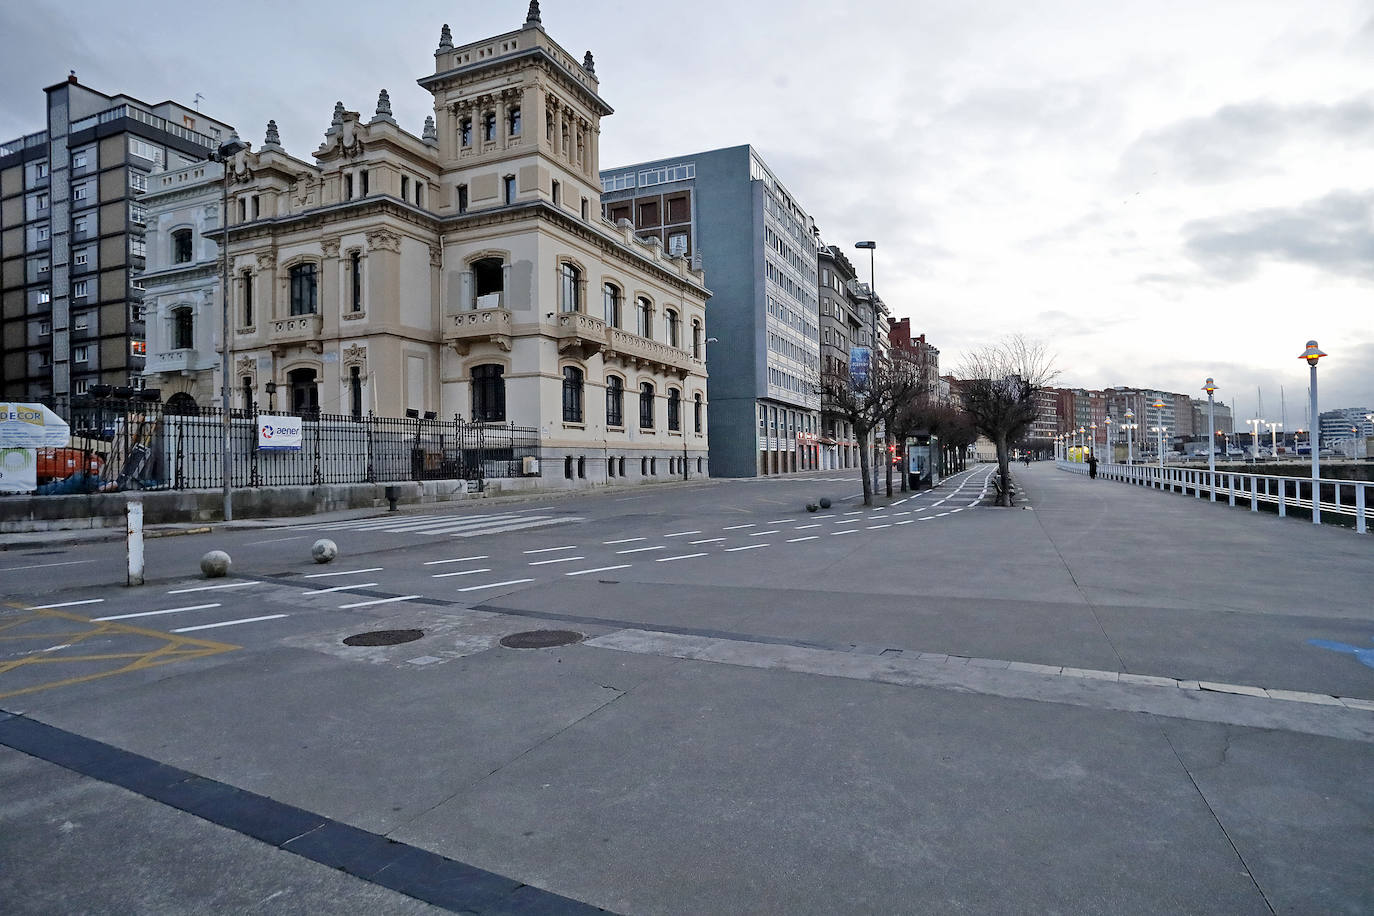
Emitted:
pixel 863 467
pixel 1004 469
pixel 887 460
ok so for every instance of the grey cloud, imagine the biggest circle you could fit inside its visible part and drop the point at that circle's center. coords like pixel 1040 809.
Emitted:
pixel 1234 140
pixel 1334 234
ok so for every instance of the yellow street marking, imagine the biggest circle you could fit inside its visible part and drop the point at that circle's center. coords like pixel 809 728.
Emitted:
pixel 172 648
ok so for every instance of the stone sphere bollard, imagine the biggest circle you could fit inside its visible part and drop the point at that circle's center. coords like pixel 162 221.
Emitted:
pixel 215 564
pixel 324 550
pixel 825 502
pixel 811 507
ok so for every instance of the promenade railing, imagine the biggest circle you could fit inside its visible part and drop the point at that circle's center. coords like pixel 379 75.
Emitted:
pixel 1346 502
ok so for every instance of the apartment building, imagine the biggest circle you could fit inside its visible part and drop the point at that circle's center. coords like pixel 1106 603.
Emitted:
pixel 72 236
pixel 727 210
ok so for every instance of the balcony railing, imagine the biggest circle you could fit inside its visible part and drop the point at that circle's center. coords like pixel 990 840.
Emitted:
pixel 463 329
pixel 579 331
pixel 152 120
pixel 631 346
pixel 298 329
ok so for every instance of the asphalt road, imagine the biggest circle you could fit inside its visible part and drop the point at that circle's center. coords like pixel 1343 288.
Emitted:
pixel 1108 699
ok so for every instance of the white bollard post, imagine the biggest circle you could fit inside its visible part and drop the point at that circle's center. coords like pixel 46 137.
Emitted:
pixel 134 541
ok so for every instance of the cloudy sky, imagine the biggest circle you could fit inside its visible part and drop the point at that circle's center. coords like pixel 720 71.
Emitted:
pixel 1160 190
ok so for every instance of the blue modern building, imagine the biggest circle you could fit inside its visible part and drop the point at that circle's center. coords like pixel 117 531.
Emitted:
pixel 728 211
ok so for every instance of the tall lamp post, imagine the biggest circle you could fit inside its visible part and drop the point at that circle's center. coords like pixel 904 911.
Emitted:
pixel 1092 439
pixel 1312 354
pixel 872 246
pixel 1211 388
pixel 227 151
pixel 1274 439
pixel 1158 405
pixel 1255 425
pixel 1130 425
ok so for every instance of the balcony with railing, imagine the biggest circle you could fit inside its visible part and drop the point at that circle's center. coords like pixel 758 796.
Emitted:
pixel 576 331
pixel 631 347
pixel 143 117
pixel 296 330
pixel 22 143
pixel 463 329
pixel 178 361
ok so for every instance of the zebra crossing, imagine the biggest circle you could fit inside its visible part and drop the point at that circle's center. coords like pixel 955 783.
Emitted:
pixel 466 526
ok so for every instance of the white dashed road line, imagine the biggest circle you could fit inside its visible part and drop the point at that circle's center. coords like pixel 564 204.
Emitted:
pixel 551 549
pixel 339 588
pixel 642 549
pixel 170 610
pixel 346 572
pixel 746 547
pixel 556 560
pixel 49 607
pixel 475 588
pixel 454 560
pixel 376 601
pixel 466 572
pixel 229 623
pixel 587 572
pixel 685 556
pixel 210 588
pixel 681 534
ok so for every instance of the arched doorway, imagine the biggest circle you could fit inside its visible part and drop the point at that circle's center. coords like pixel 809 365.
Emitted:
pixel 182 404
pixel 305 392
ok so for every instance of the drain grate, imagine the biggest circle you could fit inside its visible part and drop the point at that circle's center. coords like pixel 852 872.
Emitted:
pixel 540 639
pixel 383 637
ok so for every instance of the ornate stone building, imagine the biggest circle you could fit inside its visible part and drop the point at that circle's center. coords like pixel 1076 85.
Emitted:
pixel 181 308
pixel 468 271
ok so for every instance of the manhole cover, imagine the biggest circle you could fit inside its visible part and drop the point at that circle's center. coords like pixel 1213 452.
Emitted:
pixel 540 639
pixel 383 637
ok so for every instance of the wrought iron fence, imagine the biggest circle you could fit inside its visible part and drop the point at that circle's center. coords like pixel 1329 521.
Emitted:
pixel 120 444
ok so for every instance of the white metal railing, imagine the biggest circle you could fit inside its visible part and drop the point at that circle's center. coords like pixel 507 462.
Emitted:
pixel 1353 499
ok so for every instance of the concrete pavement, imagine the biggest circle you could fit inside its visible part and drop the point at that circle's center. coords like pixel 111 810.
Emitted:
pixel 926 714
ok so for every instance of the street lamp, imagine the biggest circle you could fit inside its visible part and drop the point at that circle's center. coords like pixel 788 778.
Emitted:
pixel 1274 439
pixel 227 151
pixel 873 303
pixel 1129 425
pixel 1158 405
pixel 1255 425
pixel 1211 388
pixel 1092 447
pixel 271 388
pixel 1312 354
pixel 1159 439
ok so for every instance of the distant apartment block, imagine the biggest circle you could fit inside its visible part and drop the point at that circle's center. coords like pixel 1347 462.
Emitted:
pixel 726 210
pixel 72 236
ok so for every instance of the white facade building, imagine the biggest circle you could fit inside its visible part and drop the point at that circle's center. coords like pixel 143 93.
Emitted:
pixel 181 305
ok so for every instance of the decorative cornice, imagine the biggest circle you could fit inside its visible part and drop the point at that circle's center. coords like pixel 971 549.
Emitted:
pixel 330 247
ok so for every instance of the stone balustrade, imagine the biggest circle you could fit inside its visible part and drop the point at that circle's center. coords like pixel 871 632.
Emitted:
pixel 462 329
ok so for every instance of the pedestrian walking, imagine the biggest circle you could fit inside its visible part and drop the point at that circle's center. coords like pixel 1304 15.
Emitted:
pixel 1092 466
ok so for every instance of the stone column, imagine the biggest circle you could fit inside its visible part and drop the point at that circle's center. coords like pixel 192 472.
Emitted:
pixel 331 288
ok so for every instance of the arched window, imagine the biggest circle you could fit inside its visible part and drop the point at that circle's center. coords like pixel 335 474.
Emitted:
pixel 181 246
pixel 355 391
pixel 646 405
pixel 183 404
pixel 644 317
pixel 698 412
pixel 488 283
pixel 572 394
pixel 610 297
pixel 670 327
pixel 615 401
pixel 570 289
pixel 674 410
pixel 183 328
pixel 488 394
pixel 303 289
pixel 247 277
pixel 696 339
pixel 644 467
pixel 355 281
pixel 610 467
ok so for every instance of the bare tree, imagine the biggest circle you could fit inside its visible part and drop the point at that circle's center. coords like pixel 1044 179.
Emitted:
pixel 997 386
pixel 865 403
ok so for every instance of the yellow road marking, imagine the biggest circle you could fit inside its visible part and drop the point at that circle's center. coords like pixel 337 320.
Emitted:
pixel 172 648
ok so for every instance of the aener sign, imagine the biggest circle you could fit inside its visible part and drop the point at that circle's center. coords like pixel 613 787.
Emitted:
pixel 279 434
